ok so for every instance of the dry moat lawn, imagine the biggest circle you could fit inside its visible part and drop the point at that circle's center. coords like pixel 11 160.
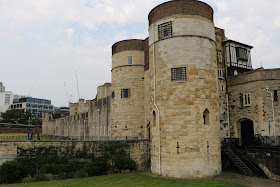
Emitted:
pixel 133 180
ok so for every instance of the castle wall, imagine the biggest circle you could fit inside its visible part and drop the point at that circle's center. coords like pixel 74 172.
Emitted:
pixel 103 91
pixel 260 110
pixel 138 150
pixel 92 125
pixel 127 117
pixel 189 148
pixel 222 86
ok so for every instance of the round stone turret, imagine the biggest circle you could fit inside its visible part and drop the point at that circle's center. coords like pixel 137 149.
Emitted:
pixel 127 113
pixel 184 110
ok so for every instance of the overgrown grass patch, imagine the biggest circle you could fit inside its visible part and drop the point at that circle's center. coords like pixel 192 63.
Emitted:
pixel 133 180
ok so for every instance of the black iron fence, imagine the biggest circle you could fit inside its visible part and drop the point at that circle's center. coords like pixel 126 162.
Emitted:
pixel 258 140
pixel 267 140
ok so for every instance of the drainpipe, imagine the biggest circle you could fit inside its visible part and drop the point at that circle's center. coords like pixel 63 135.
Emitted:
pixel 273 114
pixel 155 104
pixel 84 129
pixel 228 116
pixel 79 129
pixel 98 124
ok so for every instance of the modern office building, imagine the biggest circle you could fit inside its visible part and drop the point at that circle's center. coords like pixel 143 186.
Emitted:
pixel 33 105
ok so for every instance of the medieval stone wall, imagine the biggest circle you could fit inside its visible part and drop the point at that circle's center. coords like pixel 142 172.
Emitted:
pixel 260 110
pixel 127 117
pixel 91 125
pixel 188 147
pixel 222 86
pixel 138 150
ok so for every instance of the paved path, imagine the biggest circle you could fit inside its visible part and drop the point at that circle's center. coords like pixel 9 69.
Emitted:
pixel 248 181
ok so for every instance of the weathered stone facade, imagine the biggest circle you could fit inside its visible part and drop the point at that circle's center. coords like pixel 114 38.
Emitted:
pixel 91 120
pixel 185 88
pixel 138 150
pixel 184 137
pixel 260 110
pixel 128 108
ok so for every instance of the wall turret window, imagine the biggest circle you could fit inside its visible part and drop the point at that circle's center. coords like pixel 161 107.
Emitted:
pixel 178 74
pixel 165 30
pixel 130 60
pixel 206 117
pixel 125 93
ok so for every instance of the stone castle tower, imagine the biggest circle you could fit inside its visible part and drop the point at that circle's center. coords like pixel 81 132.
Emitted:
pixel 177 89
pixel 127 115
pixel 182 91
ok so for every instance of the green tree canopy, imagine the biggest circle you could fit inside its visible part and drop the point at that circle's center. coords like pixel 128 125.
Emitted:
pixel 16 116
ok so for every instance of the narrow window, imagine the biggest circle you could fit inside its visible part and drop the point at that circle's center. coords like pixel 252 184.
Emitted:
pixel 246 99
pixel 220 73
pixel 130 60
pixel 165 30
pixel 125 93
pixel 154 118
pixel 275 95
pixel 206 117
pixel 178 74
pixel 113 95
pixel 220 57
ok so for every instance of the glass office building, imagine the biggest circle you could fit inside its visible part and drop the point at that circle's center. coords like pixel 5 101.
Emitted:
pixel 33 105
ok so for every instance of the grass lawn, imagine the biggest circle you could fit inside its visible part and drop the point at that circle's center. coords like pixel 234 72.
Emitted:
pixel 133 180
pixel 23 136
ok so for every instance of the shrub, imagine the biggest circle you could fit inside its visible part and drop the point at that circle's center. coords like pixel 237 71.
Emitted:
pixel 28 179
pixel 11 172
pixel 43 177
pixel 125 163
pixel 81 174
pixel 51 168
pixel 98 166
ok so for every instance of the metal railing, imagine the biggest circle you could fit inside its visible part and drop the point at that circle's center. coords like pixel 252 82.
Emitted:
pixel 25 138
pixel 267 141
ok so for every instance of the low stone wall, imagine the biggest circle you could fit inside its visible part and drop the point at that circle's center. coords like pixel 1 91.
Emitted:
pixel 138 150
pixel 268 159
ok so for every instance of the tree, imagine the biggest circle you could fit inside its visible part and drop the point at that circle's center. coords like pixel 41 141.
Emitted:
pixel 16 116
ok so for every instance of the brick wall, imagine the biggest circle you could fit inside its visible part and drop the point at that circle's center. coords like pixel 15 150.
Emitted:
pixel 126 45
pixel 186 7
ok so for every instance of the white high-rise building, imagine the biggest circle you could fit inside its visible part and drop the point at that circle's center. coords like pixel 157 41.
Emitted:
pixel 2 88
pixel 6 98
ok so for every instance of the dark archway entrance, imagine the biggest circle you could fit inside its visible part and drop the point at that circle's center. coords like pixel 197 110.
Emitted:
pixel 247 132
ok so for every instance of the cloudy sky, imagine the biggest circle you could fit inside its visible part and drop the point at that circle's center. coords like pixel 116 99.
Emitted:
pixel 44 44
